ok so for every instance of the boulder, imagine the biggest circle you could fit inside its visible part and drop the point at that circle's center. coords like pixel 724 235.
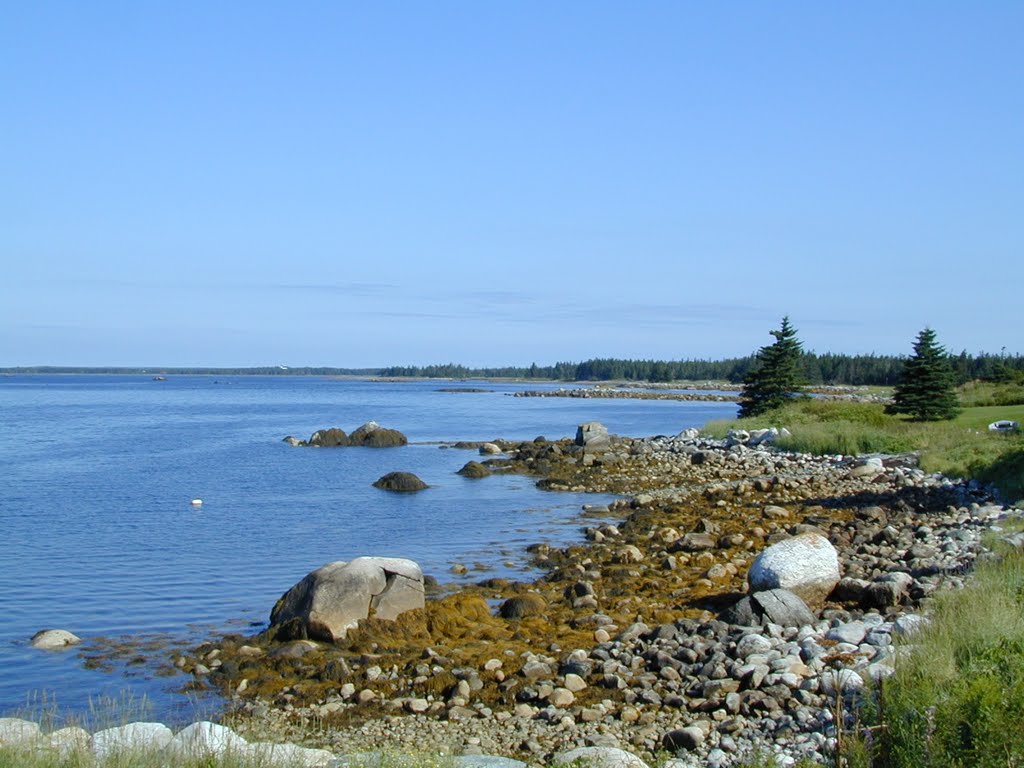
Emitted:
pixel 774 606
pixel 888 590
pixel 205 741
pixel 14 730
pixel 328 438
pixel 490 449
pixel 474 469
pixel 334 598
pixel 682 739
pixel 117 743
pixel 522 606
pixel 54 639
pixel 373 435
pixel 402 482
pixel 807 565
pixel 599 757
pixel 593 436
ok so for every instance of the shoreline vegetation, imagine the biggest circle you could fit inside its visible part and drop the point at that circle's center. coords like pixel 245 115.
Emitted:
pixel 622 642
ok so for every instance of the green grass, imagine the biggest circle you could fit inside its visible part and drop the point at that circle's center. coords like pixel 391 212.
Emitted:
pixel 957 699
pixel 979 417
pixel 977 394
pixel 960 448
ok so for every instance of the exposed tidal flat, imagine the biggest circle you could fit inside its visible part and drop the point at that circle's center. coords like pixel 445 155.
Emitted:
pixel 100 536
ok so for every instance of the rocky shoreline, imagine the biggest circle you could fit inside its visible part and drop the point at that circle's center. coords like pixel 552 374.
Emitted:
pixel 627 641
pixel 693 392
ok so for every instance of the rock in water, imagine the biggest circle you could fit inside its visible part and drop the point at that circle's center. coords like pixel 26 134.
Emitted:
pixel 373 435
pixel 403 482
pixel 474 469
pixel 54 639
pixel 333 599
pixel 328 438
pixel 807 565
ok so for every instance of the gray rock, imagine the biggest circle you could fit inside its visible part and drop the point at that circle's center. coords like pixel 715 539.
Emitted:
pixel 806 565
pixel 694 542
pixel 852 632
pixel 336 597
pixel 593 436
pixel 775 606
pixel 840 681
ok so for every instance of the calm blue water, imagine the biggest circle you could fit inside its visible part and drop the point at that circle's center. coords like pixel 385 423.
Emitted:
pixel 99 536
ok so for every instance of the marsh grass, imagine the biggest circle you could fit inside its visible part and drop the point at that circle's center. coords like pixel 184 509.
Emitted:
pixel 957 697
pixel 34 757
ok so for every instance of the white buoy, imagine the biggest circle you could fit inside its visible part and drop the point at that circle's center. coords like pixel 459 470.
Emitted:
pixel 197 502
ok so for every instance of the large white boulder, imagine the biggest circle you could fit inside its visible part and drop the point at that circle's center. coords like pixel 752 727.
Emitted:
pixel 334 598
pixel 14 731
pixel 204 740
pixel 145 738
pixel 807 565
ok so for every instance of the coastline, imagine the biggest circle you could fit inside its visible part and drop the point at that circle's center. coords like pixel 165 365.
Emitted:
pixel 460 680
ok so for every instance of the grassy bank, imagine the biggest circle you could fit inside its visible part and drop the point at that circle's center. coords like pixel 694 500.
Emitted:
pixel 957 698
pixel 960 448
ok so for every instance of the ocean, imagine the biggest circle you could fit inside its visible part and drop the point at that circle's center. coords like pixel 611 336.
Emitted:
pixel 100 537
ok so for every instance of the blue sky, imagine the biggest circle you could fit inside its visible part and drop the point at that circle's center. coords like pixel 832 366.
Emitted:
pixel 505 182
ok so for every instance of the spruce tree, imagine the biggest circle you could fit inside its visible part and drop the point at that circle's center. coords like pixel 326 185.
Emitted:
pixel 776 376
pixel 926 391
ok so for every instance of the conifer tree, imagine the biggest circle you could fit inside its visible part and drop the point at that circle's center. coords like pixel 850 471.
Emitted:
pixel 926 391
pixel 776 376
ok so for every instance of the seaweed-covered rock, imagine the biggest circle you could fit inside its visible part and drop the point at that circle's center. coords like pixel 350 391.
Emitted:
pixel 369 435
pixel 328 438
pixel 522 606
pixel 373 435
pixel 402 482
pixel 474 469
pixel 334 598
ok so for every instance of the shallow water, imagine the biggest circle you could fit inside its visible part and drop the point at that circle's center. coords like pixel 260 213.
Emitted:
pixel 101 539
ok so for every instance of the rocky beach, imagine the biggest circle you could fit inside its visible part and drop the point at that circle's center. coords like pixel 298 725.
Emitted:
pixel 648 637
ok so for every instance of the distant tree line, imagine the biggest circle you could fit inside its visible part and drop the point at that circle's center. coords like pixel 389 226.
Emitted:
pixel 829 368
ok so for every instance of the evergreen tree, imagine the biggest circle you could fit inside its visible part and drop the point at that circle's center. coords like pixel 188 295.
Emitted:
pixel 925 391
pixel 776 376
